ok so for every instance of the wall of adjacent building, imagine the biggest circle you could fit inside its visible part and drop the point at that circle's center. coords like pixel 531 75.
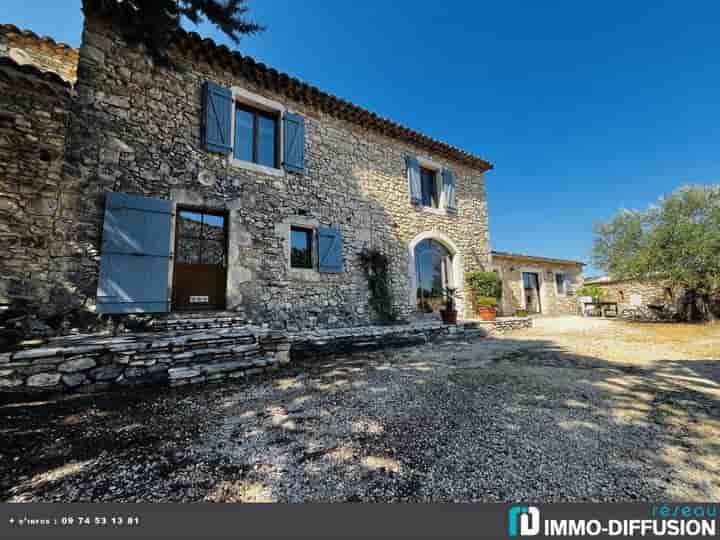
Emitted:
pixel 631 294
pixel 39 264
pixel 26 48
pixel 138 131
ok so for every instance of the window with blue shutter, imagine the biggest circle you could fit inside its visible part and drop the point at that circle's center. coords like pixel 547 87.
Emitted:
pixel 330 250
pixel 217 118
pixel 449 190
pixel 135 255
pixel 294 142
pixel 414 183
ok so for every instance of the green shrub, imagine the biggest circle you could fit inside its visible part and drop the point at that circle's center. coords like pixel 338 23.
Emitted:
pixel 593 291
pixel 487 285
pixel 376 266
pixel 521 313
pixel 486 301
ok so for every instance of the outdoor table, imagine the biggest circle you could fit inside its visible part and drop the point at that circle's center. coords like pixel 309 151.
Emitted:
pixel 605 308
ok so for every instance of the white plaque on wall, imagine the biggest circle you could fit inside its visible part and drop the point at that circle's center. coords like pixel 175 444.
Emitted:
pixel 199 299
pixel 636 299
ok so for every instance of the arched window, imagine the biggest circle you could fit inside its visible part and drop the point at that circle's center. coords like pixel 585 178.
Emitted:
pixel 434 270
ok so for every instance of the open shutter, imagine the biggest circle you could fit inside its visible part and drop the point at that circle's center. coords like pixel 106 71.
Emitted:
pixel 135 255
pixel 330 249
pixel 413 173
pixel 217 118
pixel 294 142
pixel 449 189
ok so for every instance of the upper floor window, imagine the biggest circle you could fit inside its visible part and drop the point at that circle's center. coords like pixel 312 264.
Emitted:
pixel 256 136
pixel 429 186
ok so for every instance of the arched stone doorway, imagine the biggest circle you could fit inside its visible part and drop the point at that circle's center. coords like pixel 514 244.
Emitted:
pixel 434 264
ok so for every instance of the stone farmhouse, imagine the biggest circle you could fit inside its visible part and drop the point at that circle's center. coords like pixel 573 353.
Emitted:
pixel 223 184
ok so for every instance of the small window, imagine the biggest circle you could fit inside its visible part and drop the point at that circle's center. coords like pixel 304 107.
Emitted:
pixel 200 238
pixel 560 283
pixel 256 136
pixel 668 294
pixel 301 247
pixel 428 181
pixel 621 294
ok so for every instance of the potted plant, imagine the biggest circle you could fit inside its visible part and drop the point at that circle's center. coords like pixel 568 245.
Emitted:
pixel 449 314
pixel 485 289
pixel 487 307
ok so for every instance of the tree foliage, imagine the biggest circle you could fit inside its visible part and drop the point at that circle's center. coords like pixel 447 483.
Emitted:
pixel 153 22
pixel 484 284
pixel 677 239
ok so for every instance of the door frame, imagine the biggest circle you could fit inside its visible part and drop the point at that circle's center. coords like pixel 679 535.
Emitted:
pixel 179 207
pixel 541 282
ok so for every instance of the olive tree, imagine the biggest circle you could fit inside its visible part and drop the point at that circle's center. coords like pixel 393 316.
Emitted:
pixel 677 239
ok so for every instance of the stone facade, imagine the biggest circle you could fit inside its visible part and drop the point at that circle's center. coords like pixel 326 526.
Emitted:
pixel 552 300
pixel 634 294
pixel 138 131
pixel 37 209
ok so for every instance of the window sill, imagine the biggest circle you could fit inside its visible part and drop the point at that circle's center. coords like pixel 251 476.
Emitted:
pixel 303 274
pixel 254 167
pixel 436 211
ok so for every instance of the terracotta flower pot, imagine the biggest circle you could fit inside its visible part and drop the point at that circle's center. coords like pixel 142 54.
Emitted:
pixel 449 316
pixel 487 313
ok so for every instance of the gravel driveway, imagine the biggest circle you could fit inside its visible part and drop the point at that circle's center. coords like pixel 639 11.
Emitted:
pixel 570 410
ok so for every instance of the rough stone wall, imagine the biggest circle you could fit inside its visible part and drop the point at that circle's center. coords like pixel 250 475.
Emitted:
pixel 36 209
pixel 552 303
pixel 138 131
pixel 649 292
pixel 27 48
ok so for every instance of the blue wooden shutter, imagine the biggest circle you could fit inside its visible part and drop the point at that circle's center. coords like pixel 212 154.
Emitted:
pixel 294 142
pixel 217 118
pixel 330 249
pixel 135 255
pixel 449 189
pixel 413 173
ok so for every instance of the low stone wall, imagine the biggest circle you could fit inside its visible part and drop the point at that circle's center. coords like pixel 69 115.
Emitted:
pixel 348 340
pixel 100 362
pixel 92 363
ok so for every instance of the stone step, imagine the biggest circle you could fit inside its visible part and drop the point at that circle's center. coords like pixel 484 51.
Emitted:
pixel 196 323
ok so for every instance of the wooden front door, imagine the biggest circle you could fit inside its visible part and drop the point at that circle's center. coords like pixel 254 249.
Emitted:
pixel 200 269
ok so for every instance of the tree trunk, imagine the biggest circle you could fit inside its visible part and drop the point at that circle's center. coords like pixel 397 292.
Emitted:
pixel 706 307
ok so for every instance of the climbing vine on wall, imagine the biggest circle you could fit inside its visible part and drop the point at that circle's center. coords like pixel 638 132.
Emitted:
pixel 376 267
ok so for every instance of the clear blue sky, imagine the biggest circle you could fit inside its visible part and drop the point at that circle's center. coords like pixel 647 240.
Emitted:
pixel 583 108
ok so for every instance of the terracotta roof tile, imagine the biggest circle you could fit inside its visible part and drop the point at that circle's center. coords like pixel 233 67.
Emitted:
pixel 308 94
pixel 35 74
pixel 509 255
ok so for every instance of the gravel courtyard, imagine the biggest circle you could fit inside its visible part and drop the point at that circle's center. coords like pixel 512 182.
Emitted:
pixel 573 409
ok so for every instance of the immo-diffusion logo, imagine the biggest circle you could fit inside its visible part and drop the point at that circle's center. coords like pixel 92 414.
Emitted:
pixel 523 521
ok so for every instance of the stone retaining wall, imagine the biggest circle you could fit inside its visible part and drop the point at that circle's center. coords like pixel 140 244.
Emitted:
pixel 101 362
pixel 91 363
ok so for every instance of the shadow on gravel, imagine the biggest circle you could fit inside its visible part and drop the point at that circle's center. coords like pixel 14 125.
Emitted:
pixel 506 419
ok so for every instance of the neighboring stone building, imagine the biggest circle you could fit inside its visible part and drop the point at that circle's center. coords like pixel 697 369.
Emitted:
pixel 538 284
pixel 223 184
pixel 634 294
pixel 37 208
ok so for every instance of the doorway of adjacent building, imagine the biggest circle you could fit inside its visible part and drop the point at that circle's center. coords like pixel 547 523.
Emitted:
pixel 200 270
pixel 531 292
